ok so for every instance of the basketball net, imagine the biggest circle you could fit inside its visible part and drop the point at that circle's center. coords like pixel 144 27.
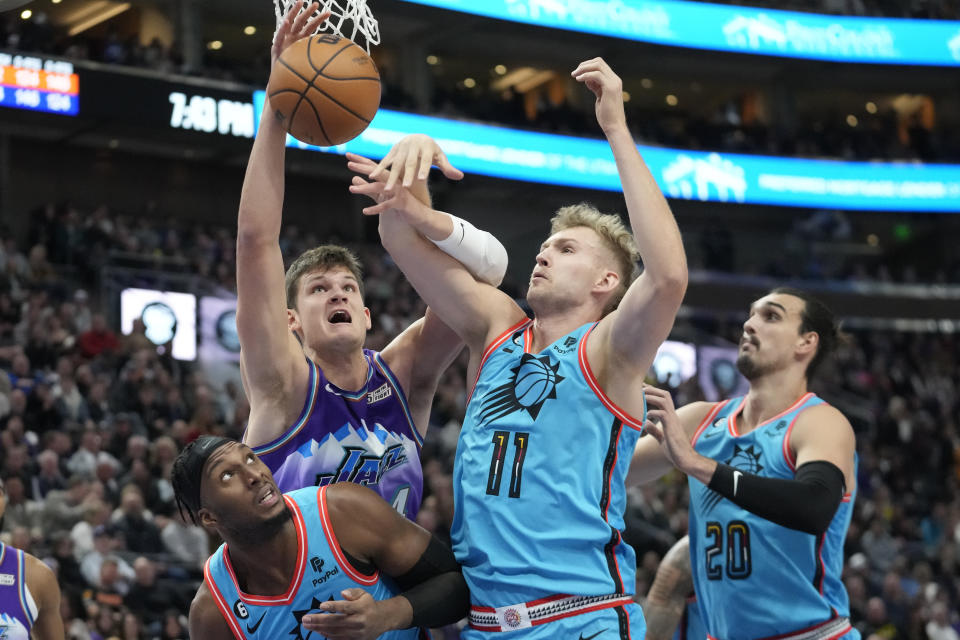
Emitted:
pixel 341 12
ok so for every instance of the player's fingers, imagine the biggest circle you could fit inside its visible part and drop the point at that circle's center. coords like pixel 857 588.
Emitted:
pixel 361 168
pixel 377 209
pixel 361 160
pixel 423 172
pixel 384 164
pixel 410 166
pixel 324 623
pixel 587 65
pixel 353 593
pixel 314 24
pixel 345 607
pixel 653 430
pixel 303 16
pixel 448 169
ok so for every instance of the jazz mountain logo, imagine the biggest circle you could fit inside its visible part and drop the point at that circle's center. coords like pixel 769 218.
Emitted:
pixel 534 382
pixel 747 460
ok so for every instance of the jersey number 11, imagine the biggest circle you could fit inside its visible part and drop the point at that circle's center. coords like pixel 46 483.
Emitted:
pixel 500 441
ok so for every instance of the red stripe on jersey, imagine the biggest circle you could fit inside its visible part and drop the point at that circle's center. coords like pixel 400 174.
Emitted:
pixel 707 421
pixel 499 340
pixel 335 546
pixel 291 592
pixel 221 603
pixel 594 385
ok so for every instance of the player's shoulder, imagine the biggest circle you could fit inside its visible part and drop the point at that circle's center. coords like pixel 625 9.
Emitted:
pixel 40 578
pixel 693 415
pixel 206 620
pixel 823 415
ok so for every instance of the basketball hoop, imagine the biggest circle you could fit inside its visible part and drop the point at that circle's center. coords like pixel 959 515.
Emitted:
pixel 341 12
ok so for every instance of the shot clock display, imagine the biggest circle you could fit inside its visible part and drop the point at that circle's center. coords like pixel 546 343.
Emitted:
pixel 38 84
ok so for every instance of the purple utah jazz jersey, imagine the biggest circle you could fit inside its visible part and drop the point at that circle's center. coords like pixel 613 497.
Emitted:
pixel 365 436
pixel 17 611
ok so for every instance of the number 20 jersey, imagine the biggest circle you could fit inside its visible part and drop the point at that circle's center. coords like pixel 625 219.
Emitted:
pixel 539 476
pixel 754 578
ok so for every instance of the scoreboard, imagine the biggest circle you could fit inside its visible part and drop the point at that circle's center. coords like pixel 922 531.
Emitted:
pixel 39 84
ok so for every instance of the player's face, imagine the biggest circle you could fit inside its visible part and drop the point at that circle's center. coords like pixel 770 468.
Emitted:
pixel 771 335
pixel 239 496
pixel 330 310
pixel 570 265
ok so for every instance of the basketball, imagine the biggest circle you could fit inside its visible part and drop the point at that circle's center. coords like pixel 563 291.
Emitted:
pixel 326 89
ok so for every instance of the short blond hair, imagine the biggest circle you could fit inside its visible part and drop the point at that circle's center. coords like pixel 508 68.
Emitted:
pixel 322 258
pixel 615 235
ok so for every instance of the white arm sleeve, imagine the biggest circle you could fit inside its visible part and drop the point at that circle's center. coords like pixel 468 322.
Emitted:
pixel 479 251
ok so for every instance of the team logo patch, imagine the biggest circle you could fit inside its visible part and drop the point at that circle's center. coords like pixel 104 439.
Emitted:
pixel 6 579
pixel 534 382
pixel 512 618
pixel 745 459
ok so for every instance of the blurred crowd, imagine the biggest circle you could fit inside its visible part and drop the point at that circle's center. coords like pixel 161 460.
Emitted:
pixel 923 9
pixel 735 125
pixel 90 421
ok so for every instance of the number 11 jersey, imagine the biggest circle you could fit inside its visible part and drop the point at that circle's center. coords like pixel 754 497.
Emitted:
pixel 539 476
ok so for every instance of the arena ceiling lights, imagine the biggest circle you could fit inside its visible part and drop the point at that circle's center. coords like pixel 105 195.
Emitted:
pixel 750 30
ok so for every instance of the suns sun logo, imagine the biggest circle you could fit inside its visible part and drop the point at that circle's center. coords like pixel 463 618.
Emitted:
pixel 533 382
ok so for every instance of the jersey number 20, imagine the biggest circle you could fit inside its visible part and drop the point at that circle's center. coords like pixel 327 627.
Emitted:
pixel 737 549
pixel 500 442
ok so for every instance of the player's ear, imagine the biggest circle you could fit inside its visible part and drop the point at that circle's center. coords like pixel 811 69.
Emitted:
pixel 366 312
pixel 206 519
pixel 293 320
pixel 808 343
pixel 607 282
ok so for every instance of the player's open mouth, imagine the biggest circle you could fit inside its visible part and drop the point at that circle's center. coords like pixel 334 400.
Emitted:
pixel 269 497
pixel 339 316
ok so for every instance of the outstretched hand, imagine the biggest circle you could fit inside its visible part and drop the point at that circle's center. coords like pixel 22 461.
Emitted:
pixel 356 617
pixel 663 424
pixel 411 159
pixel 296 26
pixel 399 198
pixel 608 88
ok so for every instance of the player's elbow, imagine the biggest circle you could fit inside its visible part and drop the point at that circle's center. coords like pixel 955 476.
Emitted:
pixel 670 284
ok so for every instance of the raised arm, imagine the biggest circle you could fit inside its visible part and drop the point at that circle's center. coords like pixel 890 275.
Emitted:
pixel 432 590
pixel 631 334
pixel 271 359
pixel 475 310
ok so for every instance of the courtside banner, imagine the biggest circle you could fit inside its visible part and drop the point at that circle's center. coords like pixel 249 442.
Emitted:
pixel 690 175
pixel 771 32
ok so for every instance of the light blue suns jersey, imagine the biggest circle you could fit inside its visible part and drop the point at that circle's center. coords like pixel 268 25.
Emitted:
pixel 753 578
pixel 539 476
pixel 322 572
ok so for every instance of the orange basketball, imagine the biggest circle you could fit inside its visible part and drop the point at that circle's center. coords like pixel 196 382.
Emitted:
pixel 326 89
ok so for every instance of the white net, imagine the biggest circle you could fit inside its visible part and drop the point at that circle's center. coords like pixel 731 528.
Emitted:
pixel 348 18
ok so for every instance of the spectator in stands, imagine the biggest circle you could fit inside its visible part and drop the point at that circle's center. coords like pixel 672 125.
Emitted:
pixel 90 454
pixel 135 523
pixel 49 476
pixel 98 339
pixel 183 540
pixel 149 597
pixel 104 546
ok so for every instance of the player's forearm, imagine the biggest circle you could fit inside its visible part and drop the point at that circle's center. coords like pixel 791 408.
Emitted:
pixel 261 199
pixel 654 227
pixel 807 502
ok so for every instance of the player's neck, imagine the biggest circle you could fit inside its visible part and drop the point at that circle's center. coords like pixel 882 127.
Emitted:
pixel 347 370
pixel 769 396
pixel 549 327
pixel 266 567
